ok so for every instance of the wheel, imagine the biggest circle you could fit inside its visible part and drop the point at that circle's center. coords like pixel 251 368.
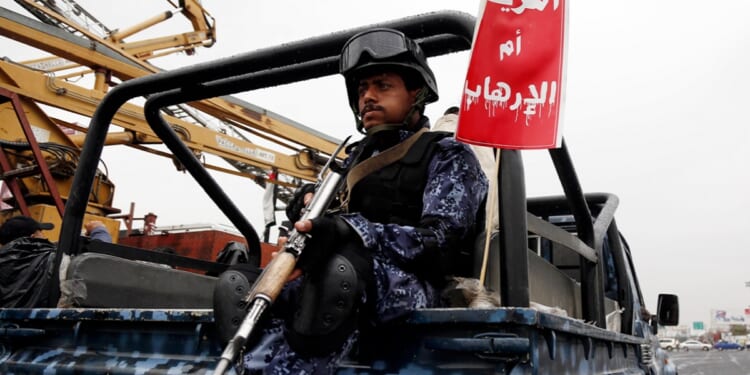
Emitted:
pixel 705 349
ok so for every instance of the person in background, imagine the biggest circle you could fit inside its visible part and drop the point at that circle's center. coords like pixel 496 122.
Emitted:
pixel 96 230
pixel 398 230
pixel 26 259
pixel 486 156
pixel 22 226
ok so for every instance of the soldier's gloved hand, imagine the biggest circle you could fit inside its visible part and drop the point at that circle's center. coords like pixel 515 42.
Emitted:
pixel 295 206
pixel 327 234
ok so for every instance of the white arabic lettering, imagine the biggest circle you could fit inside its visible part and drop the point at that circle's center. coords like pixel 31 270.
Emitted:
pixel 497 97
pixel 508 48
pixel 500 96
pixel 525 4
pixel 538 98
pixel 472 97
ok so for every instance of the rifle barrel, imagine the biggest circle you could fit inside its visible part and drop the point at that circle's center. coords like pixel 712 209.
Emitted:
pixel 238 341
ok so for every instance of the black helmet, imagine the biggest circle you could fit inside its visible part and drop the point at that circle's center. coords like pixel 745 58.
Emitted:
pixel 383 47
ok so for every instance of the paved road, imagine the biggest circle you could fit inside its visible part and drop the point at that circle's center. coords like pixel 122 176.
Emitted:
pixel 728 362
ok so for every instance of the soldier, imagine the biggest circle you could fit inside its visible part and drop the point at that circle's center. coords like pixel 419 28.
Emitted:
pixel 413 201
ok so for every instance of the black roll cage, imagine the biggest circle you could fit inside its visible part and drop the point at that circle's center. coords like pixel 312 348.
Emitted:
pixel 438 33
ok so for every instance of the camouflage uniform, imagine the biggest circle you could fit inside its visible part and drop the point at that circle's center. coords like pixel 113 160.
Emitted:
pixel 455 189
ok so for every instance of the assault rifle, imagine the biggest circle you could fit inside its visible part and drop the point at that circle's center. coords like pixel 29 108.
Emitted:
pixel 270 282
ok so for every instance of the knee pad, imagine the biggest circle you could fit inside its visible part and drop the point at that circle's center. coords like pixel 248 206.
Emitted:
pixel 229 293
pixel 326 313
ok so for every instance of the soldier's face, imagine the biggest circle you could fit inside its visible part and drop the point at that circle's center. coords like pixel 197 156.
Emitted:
pixel 384 99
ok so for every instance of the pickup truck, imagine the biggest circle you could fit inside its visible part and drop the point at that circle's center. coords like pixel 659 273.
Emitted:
pixel 570 300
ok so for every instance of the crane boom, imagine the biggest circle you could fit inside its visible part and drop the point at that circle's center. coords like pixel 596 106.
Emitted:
pixel 90 50
pixel 82 46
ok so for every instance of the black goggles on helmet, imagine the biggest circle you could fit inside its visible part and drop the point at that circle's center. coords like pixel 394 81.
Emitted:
pixel 380 44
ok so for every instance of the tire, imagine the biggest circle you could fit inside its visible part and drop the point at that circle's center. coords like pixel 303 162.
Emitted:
pixel 705 349
pixel 669 348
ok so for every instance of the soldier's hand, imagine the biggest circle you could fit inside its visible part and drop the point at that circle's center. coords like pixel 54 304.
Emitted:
pixel 301 198
pixel 91 225
pixel 327 234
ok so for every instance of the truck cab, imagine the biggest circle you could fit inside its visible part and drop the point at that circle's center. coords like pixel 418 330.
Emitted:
pixel 568 292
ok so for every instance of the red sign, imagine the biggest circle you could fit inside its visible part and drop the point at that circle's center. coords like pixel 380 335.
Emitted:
pixel 513 90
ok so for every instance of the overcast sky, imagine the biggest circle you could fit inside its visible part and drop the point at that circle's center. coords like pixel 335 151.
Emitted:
pixel 655 112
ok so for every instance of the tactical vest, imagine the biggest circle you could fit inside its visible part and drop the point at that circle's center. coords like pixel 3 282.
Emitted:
pixel 393 194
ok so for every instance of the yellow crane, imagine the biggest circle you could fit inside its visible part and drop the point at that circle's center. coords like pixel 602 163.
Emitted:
pixel 39 151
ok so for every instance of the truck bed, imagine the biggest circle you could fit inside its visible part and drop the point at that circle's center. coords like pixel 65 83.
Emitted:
pixel 132 341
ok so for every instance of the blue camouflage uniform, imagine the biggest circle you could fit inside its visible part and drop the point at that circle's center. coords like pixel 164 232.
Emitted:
pixel 452 197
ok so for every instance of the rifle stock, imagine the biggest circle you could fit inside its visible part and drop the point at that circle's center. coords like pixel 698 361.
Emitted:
pixel 273 277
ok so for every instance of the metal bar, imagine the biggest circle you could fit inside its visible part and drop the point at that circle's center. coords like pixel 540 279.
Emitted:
pixel 13 184
pixel 35 150
pixel 152 110
pixel 556 234
pixel 624 288
pixel 592 290
pixel 133 253
pixel 514 257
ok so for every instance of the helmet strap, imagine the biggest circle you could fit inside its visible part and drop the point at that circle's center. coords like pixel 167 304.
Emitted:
pixel 418 107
